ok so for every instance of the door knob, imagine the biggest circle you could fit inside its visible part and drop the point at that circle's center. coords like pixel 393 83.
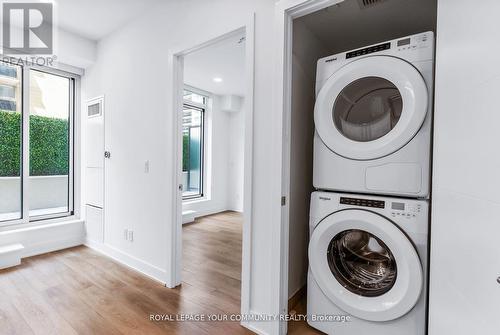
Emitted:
pixel 498 280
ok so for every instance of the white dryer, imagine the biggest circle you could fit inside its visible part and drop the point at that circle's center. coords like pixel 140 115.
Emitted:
pixel 373 117
pixel 367 265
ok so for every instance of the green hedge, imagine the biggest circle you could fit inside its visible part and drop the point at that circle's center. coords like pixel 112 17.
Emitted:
pixel 185 152
pixel 49 138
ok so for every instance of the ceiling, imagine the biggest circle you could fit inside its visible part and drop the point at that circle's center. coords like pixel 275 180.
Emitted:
pixel 224 59
pixel 95 19
pixel 348 25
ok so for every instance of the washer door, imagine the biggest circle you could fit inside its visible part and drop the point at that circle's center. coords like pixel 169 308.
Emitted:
pixel 371 107
pixel 365 265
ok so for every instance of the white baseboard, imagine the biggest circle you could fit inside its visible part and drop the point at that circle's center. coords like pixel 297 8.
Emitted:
pixel 130 261
pixel 210 211
pixel 41 239
pixel 188 216
pixel 10 255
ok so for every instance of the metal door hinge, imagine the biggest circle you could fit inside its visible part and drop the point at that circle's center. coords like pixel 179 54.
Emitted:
pixel 283 201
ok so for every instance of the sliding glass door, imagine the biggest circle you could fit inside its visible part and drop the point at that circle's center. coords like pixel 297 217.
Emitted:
pixel 36 143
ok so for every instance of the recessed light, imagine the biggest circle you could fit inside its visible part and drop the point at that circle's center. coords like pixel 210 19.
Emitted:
pixel 217 80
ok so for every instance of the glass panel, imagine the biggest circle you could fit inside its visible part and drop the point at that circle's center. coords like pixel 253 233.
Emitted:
pixel 367 109
pixel 7 70
pixel 193 97
pixel 362 263
pixel 49 143
pixel 192 135
pixel 10 144
pixel 7 91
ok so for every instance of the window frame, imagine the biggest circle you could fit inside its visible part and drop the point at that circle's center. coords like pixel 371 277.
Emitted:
pixel 74 98
pixel 203 107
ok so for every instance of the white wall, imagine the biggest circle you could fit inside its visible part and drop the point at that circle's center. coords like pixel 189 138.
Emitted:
pixel 75 50
pixel 465 249
pixel 307 49
pixel 236 160
pixel 131 71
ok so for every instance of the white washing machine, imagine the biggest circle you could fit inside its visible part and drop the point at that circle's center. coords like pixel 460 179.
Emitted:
pixel 373 116
pixel 367 265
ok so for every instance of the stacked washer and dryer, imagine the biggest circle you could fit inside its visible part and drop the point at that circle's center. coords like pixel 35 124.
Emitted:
pixel 369 217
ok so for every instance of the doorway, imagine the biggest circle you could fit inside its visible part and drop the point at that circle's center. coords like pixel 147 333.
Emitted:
pixel 310 31
pixel 213 104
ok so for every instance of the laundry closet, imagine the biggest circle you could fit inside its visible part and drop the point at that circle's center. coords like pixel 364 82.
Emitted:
pixel 355 28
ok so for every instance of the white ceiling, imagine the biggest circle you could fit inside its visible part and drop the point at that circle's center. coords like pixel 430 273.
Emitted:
pixel 95 19
pixel 347 25
pixel 224 59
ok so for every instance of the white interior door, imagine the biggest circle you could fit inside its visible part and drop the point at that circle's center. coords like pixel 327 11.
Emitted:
pixel 94 169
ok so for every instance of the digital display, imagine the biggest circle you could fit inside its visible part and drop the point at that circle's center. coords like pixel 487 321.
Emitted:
pixel 368 50
pixel 362 202
pixel 399 206
pixel 406 41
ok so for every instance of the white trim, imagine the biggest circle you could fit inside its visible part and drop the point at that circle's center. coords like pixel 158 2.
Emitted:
pixel 130 261
pixel 25 112
pixel 285 12
pixel 40 239
pixel 174 249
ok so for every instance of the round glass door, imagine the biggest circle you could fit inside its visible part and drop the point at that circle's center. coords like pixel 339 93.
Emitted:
pixel 365 265
pixel 362 263
pixel 367 109
pixel 371 107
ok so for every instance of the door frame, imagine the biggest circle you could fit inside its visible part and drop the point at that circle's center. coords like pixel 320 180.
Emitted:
pixel 285 12
pixel 174 230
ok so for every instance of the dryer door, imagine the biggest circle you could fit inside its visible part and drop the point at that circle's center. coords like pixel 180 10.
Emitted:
pixel 365 265
pixel 371 107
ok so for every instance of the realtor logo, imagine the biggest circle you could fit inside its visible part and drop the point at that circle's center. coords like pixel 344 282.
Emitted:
pixel 28 28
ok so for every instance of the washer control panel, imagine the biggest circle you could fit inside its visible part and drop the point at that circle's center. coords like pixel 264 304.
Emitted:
pixel 362 202
pixel 406 210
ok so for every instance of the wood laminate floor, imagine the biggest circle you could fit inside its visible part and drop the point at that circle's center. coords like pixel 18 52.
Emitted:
pixel 80 291
pixel 301 327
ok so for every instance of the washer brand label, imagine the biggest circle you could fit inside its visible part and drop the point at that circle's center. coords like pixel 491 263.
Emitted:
pixel 331 60
pixel 324 198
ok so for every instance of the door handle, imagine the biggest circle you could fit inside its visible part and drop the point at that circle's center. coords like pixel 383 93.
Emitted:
pixel 498 280
pixel 107 154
